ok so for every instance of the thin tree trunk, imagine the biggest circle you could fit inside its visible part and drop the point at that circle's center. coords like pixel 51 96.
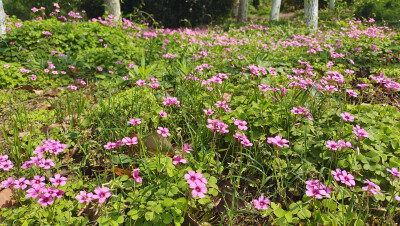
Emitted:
pixel 331 5
pixel 243 7
pixel 276 8
pixel 311 14
pixel 2 19
pixel 114 8
pixel 235 9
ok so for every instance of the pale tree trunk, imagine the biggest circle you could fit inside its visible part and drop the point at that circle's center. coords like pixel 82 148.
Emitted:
pixel 235 9
pixel 243 7
pixel 276 8
pixel 331 5
pixel 2 19
pixel 114 8
pixel 311 14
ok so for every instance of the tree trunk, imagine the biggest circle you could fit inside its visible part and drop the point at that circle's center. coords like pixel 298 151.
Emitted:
pixel 276 8
pixel 235 9
pixel 311 14
pixel 2 20
pixel 331 5
pixel 114 8
pixel 243 7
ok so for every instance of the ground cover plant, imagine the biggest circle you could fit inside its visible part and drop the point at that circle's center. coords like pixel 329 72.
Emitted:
pixel 239 124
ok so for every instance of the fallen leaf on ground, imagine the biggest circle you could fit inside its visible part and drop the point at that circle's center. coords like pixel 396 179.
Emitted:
pixel 6 200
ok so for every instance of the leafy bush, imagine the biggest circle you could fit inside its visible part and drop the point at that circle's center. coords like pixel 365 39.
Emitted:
pixel 383 10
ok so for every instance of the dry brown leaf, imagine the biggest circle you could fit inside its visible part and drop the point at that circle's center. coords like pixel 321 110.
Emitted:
pixel 6 200
pixel 22 134
pixel 46 107
pixel 38 92
pixel 227 97
pixel 55 125
pixel 54 91
pixel 157 143
pixel 25 87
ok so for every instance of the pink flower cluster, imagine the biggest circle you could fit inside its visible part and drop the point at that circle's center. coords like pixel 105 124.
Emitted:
pixel 217 125
pixel 241 124
pixel 222 104
pixel 125 141
pixel 169 101
pixel 101 193
pixel 243 139
pixel 359 132
pixel 256 70
pixel 153 83
pixel 278 141
pixel 38 188
pixel 333 145
pixel 302 111
pixel 197 183
pixel 5 164
pixel 343 177
pixel 317 189
pixel 372 188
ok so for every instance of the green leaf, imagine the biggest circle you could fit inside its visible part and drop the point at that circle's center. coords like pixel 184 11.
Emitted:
pixel 279 213
pixel 167 218
pixel 168 202
pixel 304 213
pixel 149 216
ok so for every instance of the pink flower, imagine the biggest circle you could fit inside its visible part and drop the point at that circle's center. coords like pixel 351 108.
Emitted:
pixel 241 124
pixel 261 203
pixel 347 117
pixel 394 171
pixel 110 145
pixel 141 82
pixel 7 183
pixel 46 163
pixel 84 197
pixel 333 145
pixel 317 189
pixel 163 131
pixel 217 125
pixel 34 9
pixel 34 191
pixel 136 175
pixel 6 66
pixel 129 141
pixel 397 198
pixel 208 111
pixel 186 149
pixel 344 177
pixel 58 180
pixel 6 165
pixel 38 180
pixel 168 101
pixel 125 78
pixel 352 93
pixel 178 159
pixel 163 114
pixel 99 68
pixel 193 177
pixel 101 193
pixel 278 141
pixel 372 188
pixel 72 87
pixel 21 183
pixel 198 189
pixel 134 122
pixel 359 132
pixel 45 200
